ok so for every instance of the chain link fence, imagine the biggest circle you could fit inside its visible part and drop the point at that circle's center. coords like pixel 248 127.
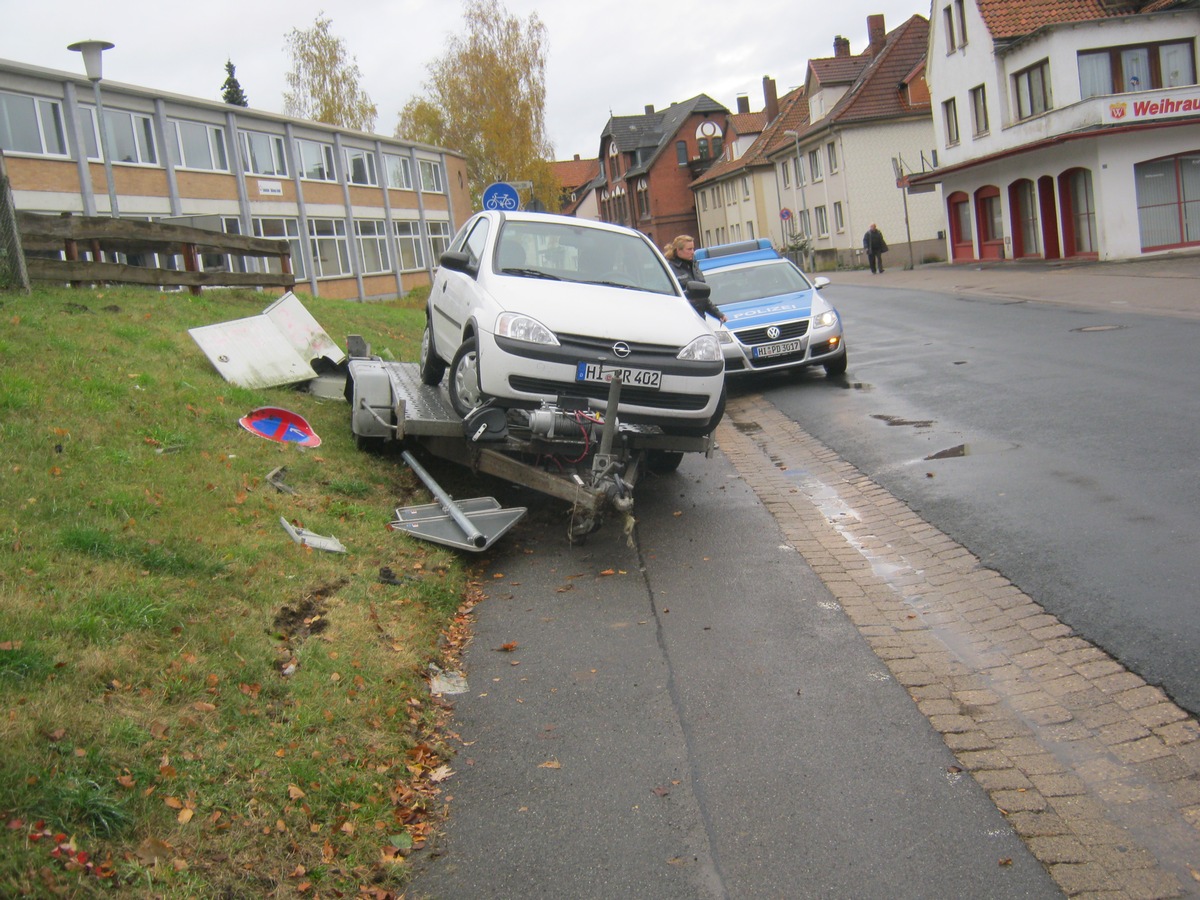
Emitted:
pixel 13 275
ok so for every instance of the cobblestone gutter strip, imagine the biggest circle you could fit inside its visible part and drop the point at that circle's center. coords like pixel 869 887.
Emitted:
pixel 1096 770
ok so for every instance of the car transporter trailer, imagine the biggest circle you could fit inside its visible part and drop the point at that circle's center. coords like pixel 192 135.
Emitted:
pixel 565 451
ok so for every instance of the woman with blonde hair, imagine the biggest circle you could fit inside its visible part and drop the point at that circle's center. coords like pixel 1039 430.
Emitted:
pixel 680 254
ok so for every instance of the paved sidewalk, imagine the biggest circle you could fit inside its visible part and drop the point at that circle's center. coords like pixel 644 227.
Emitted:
pixel 1166 285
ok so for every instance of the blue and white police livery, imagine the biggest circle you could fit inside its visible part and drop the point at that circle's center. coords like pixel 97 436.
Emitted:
pixel 776 317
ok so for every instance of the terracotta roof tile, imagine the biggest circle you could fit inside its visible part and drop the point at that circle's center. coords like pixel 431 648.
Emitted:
pixel 1014 18
pixel 571 173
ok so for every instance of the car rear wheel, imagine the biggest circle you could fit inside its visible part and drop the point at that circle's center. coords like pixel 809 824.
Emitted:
pixel 837 366
pixel 465 394
pixel 432 368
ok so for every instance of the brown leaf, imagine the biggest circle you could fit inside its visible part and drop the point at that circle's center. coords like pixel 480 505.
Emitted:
pixel 185 816
pixel 126 781
pixel 294 792
pixel 151 850
pixel 550 764
pixel 608 572
pixel 203 706
pixel 173 802
pixel 507 648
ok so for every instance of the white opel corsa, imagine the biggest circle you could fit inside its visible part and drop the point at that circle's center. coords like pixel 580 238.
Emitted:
pixel 529 309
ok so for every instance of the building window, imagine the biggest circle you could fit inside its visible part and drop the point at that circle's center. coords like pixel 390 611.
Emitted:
pixel 643 199
pixel 786 171
pixel 1022 200
pixel 960 13
pixel 749 230
pixel 702 144
pixel 398 172
pixel 193 145
pixel 798 165
pixel 439 237
pixel 1147 67
pixel 130 136
pixel 316 161
pixel 681 152
pixel 814 164
pixel 948 21
pixel 950 117
pixel 431 176
pixel 360 167
pixel 839 220
pixel 804 224
pixel 717 143
pixel 979 113
pixel 330 250
pixel 262 154
pixel 1032 87
pixel 1082 211
pixel 831 154
pixel 29 125
pixel 280 229
pixel 822 221
pixel 745 188
pixel 409 251
pixel 1168 200
pixel 372 246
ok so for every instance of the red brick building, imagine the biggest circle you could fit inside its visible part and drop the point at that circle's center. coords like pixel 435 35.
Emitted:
pixel 649 162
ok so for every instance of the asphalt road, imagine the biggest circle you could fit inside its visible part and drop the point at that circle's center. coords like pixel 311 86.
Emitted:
pixel 693 716
pixel 1058 444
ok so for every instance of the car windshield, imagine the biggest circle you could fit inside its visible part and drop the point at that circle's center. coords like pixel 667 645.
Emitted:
pixel 580 253
pixel 755 282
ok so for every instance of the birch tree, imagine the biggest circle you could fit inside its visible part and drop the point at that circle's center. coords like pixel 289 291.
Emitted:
pixel 486 98
pixel 323 84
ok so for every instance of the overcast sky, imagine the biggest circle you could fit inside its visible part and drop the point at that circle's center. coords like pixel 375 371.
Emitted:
pixel 605 59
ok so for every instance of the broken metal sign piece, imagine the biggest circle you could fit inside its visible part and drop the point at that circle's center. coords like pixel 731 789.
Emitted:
pixel 308 539
pixel 274 348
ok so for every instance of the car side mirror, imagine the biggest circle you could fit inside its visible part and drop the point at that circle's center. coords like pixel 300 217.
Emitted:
pixel 820 282
pixel 456 261
pixel 697 290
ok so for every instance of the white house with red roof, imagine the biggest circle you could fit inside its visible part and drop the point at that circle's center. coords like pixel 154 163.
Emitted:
pixel 826 165
pixel 1066 128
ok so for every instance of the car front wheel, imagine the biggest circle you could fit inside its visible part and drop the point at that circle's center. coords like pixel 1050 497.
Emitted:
pixel 465 394
pixel 432 368
pixel 837 366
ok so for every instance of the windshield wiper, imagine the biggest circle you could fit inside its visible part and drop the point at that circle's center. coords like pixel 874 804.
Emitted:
pixel 530 273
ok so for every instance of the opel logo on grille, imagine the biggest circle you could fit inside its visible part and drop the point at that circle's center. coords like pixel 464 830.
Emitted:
pixel 621 349
pixel 773 332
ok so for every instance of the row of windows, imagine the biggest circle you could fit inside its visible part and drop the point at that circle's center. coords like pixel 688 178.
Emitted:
pixel 795 167
pixel 1109 70
pixel 331 247
pixel 36 126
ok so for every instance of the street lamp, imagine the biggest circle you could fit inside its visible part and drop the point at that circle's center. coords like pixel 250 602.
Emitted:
pixel 93 65
pixel 795 135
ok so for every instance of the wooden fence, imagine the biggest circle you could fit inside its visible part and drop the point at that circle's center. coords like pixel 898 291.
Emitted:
pixel 80 237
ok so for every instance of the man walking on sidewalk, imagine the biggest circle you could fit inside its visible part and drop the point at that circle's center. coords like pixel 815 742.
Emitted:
pixel 875 246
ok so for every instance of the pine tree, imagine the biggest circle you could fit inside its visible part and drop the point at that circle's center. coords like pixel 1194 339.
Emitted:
pixel 232 92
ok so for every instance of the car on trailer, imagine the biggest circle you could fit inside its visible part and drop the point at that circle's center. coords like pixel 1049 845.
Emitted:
pixel 529 309
pixel 776 318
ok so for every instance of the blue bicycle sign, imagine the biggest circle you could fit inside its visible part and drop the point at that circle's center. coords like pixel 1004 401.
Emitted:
pixel 501 195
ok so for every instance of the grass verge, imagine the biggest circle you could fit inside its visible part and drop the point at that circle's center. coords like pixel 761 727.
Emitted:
pixel 192 704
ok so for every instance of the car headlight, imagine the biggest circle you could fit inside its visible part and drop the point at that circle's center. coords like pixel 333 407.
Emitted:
pixel 705 348
pixel 826 319
pixel 524 328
